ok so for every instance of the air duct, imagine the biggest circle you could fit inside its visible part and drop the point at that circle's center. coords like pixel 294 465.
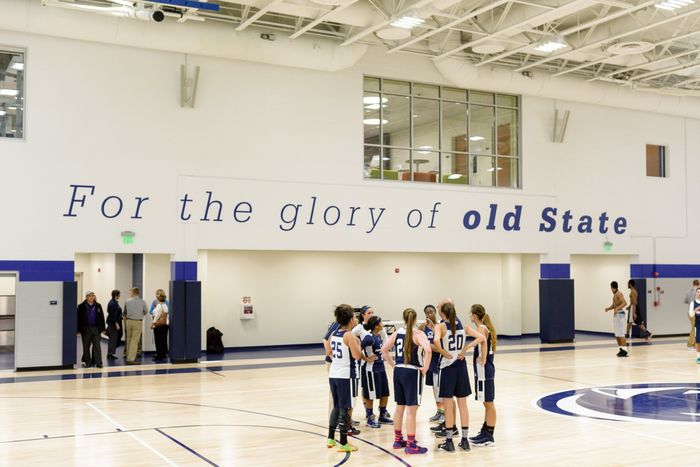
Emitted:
pixel 540 84
pixel 214 39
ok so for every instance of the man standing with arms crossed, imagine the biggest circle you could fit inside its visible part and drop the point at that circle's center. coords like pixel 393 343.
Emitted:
pixel 619 321
pixel 134 311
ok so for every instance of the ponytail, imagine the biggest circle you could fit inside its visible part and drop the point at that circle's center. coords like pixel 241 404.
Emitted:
pixel 448 309
pixel 409 317
pixel 480 313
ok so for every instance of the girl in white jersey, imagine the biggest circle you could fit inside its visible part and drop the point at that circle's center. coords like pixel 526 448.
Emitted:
pixel 345 352
pixel 450 338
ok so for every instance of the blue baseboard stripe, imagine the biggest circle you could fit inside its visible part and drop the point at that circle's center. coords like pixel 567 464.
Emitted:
pixel 555 271
pixel 41 271
pixel 669 271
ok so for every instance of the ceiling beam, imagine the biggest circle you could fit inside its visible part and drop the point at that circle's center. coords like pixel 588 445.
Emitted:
pixel 322 18
pixel 610 39
pixel 449 25
pixel 517 27
pixel 667 71
pixel 257 14
pixel 572 30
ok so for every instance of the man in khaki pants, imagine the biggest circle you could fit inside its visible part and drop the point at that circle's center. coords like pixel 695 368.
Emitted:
pixel 689 297
pixel 134 311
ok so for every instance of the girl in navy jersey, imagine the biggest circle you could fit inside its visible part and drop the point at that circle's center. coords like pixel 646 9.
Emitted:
pixel 450 337
pixel 375 384
pixel 431 378
pixel 484 374
pixel 345 352
pixel 408 378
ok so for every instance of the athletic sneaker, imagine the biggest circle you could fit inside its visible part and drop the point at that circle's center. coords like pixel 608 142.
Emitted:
pixel 447 446
pixel 622 353
pixel 439 427
pixel 648 337
pixel 478 436
pixel 330 443
pixel 415 449
pixel 464 444
pixel 347 448
pixel 436 417
pixel 385 420
pixel 697 360
pixel 485 440
pixel 443 433
pixel 353 432
pixel 399 444
pixel 372 422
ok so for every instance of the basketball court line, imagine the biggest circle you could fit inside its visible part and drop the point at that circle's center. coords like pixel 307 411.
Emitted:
pixel 186 447
pixel 123 429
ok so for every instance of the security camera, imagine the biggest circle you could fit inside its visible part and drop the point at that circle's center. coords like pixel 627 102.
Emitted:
pixel 267 36
pixel 157 16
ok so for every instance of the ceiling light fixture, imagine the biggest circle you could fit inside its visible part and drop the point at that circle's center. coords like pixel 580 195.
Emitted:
pixel 454 176
pixel 671 5
pixel 8 92
pixel 424 149
pixel 492 169
pixel 373 100
pixel 550 46
pixel 477 138
pixel 408 22
pixel 2 113
pixel 17 66
pixel 374 121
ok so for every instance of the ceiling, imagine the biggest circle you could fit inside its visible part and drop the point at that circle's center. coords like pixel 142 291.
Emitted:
pixel 627 42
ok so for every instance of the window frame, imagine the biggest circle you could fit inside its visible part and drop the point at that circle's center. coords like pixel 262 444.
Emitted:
pixel 24 52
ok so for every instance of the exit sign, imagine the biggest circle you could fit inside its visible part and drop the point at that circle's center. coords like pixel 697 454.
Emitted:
pixel 128 237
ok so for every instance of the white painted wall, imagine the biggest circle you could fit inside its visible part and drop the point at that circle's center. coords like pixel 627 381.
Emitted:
pixel 156 275
pixel 670 316
pixel 530 294
pixel 7 284
pixel 592 294
pixel 294 292
pixel 99 275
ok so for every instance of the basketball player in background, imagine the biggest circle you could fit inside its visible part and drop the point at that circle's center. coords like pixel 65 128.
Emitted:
pixel 618 309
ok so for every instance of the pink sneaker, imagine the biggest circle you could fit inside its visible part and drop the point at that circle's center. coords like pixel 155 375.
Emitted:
pixel 415 449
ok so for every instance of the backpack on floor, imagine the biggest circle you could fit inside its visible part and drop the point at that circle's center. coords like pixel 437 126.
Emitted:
pixel 214 343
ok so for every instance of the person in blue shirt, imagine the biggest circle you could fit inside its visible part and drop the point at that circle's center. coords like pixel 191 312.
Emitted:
pixel 375 384
pixel 155 302
pixel 114 324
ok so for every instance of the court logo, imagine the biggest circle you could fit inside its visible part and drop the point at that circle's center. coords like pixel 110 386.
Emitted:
pixel 647 403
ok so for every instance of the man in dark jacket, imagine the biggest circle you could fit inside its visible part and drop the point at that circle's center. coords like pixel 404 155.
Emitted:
pixel 91 323
pixel 114 324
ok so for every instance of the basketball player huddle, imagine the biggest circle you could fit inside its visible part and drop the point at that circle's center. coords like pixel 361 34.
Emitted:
pixel 358 348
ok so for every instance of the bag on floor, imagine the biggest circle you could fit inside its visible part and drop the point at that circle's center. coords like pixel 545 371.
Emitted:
pixel 214 343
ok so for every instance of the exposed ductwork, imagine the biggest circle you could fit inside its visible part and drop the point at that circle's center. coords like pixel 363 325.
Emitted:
pixel 209 39
pixel 567 88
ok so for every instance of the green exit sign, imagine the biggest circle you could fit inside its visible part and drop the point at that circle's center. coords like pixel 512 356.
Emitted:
pixel 128 237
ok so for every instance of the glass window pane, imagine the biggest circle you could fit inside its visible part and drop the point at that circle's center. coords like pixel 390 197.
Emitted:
pixel 371 84
pixel 656 160
pixel 373 160
pixel 425 90
pixel 426 116
pixel 454 94
pixel 481 120
pixel 455 168
pixel 11 94
pixel 482 171
pixel 371 112
pixel 454 127
pixel 396 87
pixel 397 121
pixel 480 97
pixel 504 99
pixel 507 132
pixel 397 167
pixel 426 165
pixel 507 172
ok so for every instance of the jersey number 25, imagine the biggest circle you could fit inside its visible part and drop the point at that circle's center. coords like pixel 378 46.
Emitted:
pixel 337 349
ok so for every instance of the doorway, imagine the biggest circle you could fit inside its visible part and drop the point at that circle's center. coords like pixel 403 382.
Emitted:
pixel 8 301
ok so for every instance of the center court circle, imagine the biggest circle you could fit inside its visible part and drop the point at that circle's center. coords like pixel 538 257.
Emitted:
pixel 641 402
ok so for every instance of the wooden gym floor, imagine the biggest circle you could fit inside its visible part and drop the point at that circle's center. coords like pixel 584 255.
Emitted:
pixel 273 411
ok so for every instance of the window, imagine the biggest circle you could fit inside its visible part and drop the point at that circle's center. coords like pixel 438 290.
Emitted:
pixel 436 134
pixel 11 94
pixel 656 160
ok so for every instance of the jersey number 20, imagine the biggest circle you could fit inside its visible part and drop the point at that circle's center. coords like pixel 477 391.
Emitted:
pixel 455 342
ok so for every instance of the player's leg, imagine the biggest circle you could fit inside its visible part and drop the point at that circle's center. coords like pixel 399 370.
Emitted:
pixel 413 389
pixel 383 393
pixel 400 399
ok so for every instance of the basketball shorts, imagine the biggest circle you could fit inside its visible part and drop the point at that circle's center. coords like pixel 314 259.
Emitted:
pixel 619 324
pixel 375 385
pixel 343 392
pixel 454 381
pixel 408 386
pixel 485 388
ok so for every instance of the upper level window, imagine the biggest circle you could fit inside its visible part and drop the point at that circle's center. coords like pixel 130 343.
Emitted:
pixel 656 160
pixel 426 133
pixel 11 94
